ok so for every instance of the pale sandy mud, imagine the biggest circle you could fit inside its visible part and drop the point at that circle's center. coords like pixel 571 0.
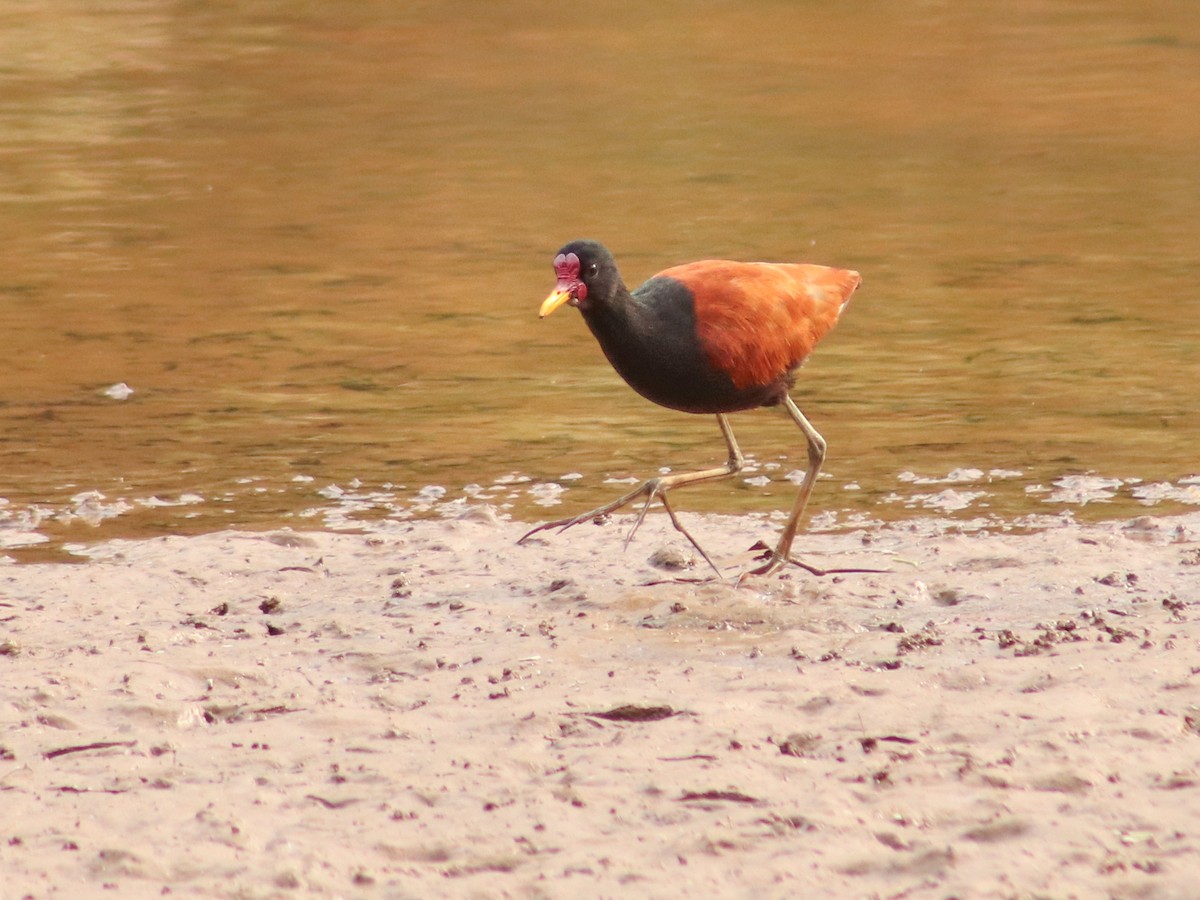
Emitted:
pixel 436 711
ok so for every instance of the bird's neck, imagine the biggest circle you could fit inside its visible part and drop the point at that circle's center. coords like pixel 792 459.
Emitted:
pixel 617 316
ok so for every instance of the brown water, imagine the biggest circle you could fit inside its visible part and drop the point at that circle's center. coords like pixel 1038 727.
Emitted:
pixel 312 238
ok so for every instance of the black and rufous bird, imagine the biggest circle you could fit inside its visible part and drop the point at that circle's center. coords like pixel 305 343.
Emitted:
pixel 713 336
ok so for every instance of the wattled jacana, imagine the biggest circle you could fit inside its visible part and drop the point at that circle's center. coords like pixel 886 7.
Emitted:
pixel 713 336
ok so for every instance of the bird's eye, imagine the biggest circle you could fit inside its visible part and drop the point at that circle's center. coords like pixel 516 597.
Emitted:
pixel 593 269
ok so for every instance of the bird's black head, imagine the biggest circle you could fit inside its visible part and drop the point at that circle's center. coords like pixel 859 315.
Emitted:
pixel 586 273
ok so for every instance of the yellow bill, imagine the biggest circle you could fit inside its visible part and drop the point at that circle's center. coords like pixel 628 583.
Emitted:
pixel 554 301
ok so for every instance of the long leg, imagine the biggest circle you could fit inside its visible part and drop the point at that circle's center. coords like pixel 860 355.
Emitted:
pixel 658 487
pixel 816 456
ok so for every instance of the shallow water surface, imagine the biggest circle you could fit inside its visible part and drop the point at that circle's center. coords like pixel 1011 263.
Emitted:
pixel 312 240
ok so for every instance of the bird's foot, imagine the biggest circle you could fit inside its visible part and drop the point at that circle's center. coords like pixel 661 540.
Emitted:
pixel 773 561
pixel 650 490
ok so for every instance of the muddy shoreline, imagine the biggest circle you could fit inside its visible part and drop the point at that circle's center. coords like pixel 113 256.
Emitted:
pixel 433 710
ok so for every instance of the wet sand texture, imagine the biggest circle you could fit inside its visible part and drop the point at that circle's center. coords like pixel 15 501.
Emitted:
pixel 434 711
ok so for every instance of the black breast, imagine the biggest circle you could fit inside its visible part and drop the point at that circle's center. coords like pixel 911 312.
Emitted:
pixel 649 336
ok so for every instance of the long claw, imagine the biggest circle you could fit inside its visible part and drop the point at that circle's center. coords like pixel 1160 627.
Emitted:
pixel 652 491
pixel 679 527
